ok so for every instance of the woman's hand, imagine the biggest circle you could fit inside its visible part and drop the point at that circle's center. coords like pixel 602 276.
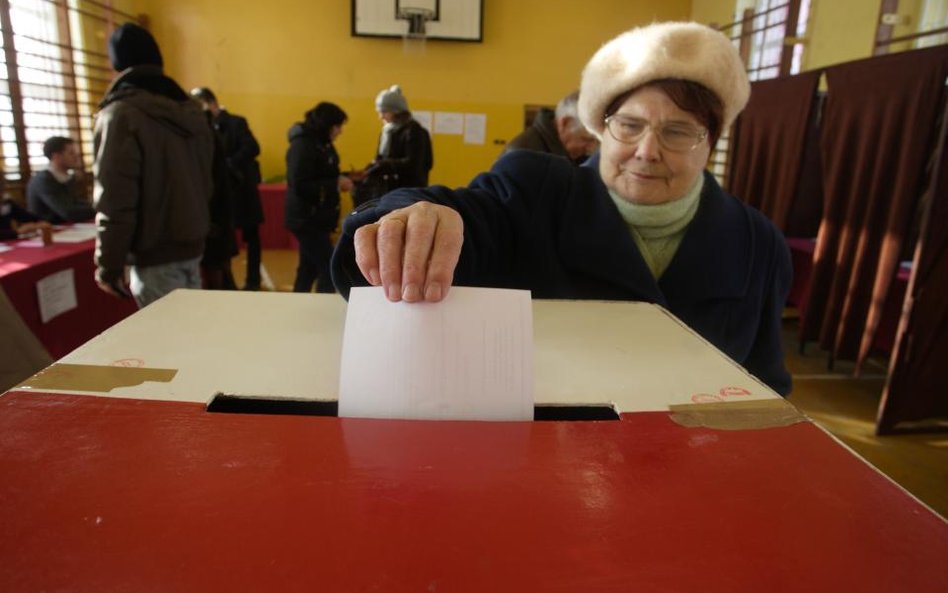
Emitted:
pixel 411 252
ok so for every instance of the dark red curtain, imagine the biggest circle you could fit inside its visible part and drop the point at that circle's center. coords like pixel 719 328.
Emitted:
pixel 917 388
pixel 878 134
pixel 768 141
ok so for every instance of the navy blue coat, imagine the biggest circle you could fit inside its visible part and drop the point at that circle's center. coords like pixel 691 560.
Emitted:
pixel 537 222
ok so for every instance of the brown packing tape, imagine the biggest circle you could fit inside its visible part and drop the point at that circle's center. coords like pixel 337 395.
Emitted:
pixel 746 415
pixel 83 377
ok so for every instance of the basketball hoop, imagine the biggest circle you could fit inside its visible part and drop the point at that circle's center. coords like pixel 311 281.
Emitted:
pixel 417 19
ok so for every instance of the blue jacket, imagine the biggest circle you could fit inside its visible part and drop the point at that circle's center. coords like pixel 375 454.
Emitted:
pixel 537 222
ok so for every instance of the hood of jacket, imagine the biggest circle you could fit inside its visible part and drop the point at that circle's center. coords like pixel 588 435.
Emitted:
pixel 300 130
pixel 148 90
pixel 297 130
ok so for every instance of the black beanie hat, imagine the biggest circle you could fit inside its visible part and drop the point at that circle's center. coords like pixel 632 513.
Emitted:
pixel 131 45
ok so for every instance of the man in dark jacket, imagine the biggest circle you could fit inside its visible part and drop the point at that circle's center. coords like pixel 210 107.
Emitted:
pixel 240 153
pixel 154 152
pixel 558 132
pixel 56 194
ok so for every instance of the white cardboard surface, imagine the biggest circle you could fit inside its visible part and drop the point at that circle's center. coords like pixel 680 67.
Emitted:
pixel 240 343
pixel 634 355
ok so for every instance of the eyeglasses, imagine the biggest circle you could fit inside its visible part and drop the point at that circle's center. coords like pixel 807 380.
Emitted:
pixel 676 137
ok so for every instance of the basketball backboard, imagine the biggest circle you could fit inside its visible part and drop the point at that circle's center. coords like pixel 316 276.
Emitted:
pixel 450 20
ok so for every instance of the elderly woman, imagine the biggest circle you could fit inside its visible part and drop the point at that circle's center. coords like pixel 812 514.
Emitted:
pixel 642 222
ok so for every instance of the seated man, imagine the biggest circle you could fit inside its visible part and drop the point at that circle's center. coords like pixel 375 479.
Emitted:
pixel 56 194
pixel 558 132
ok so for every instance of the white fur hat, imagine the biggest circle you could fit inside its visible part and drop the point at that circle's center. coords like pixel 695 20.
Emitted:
pixel 686 51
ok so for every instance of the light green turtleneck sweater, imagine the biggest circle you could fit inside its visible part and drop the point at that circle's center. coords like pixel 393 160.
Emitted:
pixel 658 229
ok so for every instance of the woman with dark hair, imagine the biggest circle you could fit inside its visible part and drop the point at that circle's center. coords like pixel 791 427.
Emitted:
pixel 312 193
pixel 640 221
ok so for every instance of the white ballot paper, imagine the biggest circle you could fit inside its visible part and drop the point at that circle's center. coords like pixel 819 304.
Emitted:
pixel 56 294
pixel 469 357
pixel 75 234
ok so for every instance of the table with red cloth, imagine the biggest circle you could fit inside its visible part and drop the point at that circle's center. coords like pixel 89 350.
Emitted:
pixel 22 267
pixel 273 233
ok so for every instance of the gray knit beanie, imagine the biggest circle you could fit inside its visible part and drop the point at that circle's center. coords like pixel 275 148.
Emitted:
pixel 391 100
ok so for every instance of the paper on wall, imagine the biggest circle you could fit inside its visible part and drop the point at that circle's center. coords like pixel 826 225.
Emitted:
pixel 469 357
pixel 423 118
pixel 446 122
pixel 475 127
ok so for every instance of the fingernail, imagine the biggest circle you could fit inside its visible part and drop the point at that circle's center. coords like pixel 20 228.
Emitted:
pixel 411 293
pixel 374 279
pixel 395 292
pixel 433 292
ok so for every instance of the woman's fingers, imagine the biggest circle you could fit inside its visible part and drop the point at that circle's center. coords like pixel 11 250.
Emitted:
pixel 419 241
pixel 366 252
pixel 448 239
pixel 391 245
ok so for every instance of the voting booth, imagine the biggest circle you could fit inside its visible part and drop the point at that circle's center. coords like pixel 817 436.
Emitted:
pixel 122 469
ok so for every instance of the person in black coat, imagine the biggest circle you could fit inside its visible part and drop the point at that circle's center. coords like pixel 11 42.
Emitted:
pixel 313 183
pixel 404 155
pixel 240 150
pixel 640 221
pixel 221 242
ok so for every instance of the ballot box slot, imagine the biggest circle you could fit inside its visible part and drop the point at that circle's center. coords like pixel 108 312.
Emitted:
pixel 232 404
pixel 577 413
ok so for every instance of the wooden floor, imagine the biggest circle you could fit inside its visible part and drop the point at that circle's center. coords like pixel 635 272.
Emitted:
pixel 844 406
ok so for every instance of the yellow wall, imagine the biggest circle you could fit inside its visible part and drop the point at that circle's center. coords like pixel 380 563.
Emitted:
pixel 839 31
pixel 719 12
pixel 271 62
pixel 270 65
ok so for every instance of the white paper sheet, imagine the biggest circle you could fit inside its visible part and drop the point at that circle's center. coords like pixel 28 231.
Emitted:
pixel 76 234
pixel 423 118
pixel 469 357
pixel 447 122
pixel 30 243
pixel 475 128
pixel 56 294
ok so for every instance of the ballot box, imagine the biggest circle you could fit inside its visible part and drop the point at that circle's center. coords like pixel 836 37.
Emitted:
pixel 121 473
